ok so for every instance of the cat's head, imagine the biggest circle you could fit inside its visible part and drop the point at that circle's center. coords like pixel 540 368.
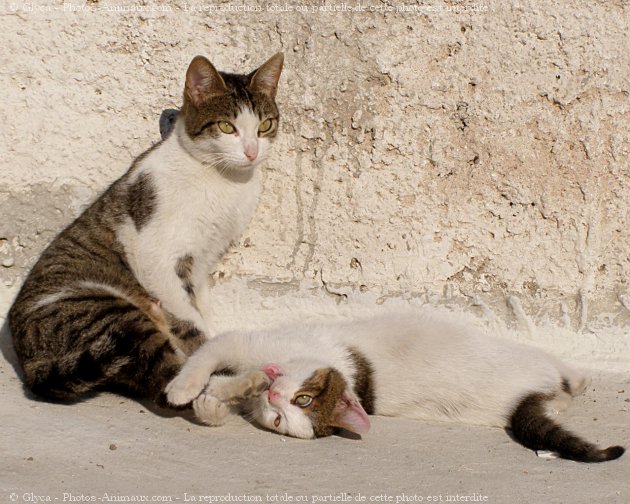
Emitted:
pixel 229 120
pixel 306 401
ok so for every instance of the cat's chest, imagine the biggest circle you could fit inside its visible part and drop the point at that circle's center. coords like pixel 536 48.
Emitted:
pixel 191 212
pixel 207 207
pixel 208 210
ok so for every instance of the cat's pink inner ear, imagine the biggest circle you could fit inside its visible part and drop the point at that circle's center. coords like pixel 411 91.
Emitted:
pixel 272 371
pixel 203 81
pixel 265 79
pixel 350 415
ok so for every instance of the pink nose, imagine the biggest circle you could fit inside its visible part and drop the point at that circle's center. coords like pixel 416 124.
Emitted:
pixel 251 152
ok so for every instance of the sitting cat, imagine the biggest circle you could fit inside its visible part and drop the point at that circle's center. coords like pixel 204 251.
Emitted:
pixel 329 376
pixel 121 296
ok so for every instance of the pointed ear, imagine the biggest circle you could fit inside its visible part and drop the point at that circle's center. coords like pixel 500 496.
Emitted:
pixel 272 370
pixel 265 79
pixel 350 415
pixel 203 81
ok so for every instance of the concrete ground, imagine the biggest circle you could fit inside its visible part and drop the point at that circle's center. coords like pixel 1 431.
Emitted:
pixel 114 449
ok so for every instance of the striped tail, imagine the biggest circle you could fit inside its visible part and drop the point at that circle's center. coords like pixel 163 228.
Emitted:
pixel 532 428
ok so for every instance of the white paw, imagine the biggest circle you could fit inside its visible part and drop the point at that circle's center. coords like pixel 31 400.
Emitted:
pixel 218 389
pixel 184 388
pixel 546 454
pixel 210 410
pixel 238 389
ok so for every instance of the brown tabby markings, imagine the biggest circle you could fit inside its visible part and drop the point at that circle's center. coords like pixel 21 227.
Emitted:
pixel 363 380
pixel 185 335
pixel 73 334
pixel 216 107
pixel 81 321
pixel 183 269
pixel 566 387
pixel 141 200
pixel 326 386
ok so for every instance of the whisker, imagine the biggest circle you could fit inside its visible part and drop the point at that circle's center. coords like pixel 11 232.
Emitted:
pixel 249 416
pixel 224 162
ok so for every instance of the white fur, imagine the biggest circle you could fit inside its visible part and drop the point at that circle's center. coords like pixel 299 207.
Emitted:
pixel 292 420
pixel 47 299
pixel 86 284
pixel 228 150
pixel 79 286
pixel 423 368
pixel 207 192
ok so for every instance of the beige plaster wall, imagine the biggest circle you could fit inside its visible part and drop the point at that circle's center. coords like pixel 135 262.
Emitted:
pixel 467 154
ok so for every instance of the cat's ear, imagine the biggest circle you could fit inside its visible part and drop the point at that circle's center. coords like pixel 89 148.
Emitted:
pixel 203 81
pixel 272 370
pixel 265 79
pixel 350 415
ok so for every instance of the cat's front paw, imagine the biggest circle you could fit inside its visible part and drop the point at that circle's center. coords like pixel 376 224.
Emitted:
pixel 210 410
pixel 184 388
pixel 239 388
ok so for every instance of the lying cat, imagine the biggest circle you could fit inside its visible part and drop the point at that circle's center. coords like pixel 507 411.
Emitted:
pixel 324 377
pixel 121 296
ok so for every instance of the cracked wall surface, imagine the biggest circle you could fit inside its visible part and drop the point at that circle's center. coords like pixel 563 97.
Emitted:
pixel 472 154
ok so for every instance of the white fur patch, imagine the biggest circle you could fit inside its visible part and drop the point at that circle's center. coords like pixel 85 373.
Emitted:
pixel 293 421
pixel 227 151
pixel 205 200
pixel 69 291
pixel 86 284
pixel 545 454
pixel 49 299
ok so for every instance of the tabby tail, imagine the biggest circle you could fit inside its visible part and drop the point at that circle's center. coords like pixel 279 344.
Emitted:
pixel 534 429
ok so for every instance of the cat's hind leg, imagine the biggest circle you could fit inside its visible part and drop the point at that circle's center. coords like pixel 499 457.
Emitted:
pixel 91 338
pixel 154 361
pixel 575 383
pixel 572 384
pixel 210 410
pixel 559 403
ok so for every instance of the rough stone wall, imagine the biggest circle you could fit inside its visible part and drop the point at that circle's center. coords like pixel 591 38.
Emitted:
pixel 471 154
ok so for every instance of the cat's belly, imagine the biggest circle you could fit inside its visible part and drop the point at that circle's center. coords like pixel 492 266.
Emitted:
pixel 446 411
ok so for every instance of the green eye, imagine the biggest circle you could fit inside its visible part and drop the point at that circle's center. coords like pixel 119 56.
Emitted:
pixel 265 126
pixel 226 127
pixel 303 401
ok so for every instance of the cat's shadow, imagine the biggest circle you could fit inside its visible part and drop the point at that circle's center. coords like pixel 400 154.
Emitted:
pixel 353 436
pixel 9 354
pixel 153 408
pixel 6 347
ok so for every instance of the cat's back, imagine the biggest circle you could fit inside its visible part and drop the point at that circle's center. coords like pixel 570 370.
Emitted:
pixel 431 339
pixel 81 251
pixel 450 369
